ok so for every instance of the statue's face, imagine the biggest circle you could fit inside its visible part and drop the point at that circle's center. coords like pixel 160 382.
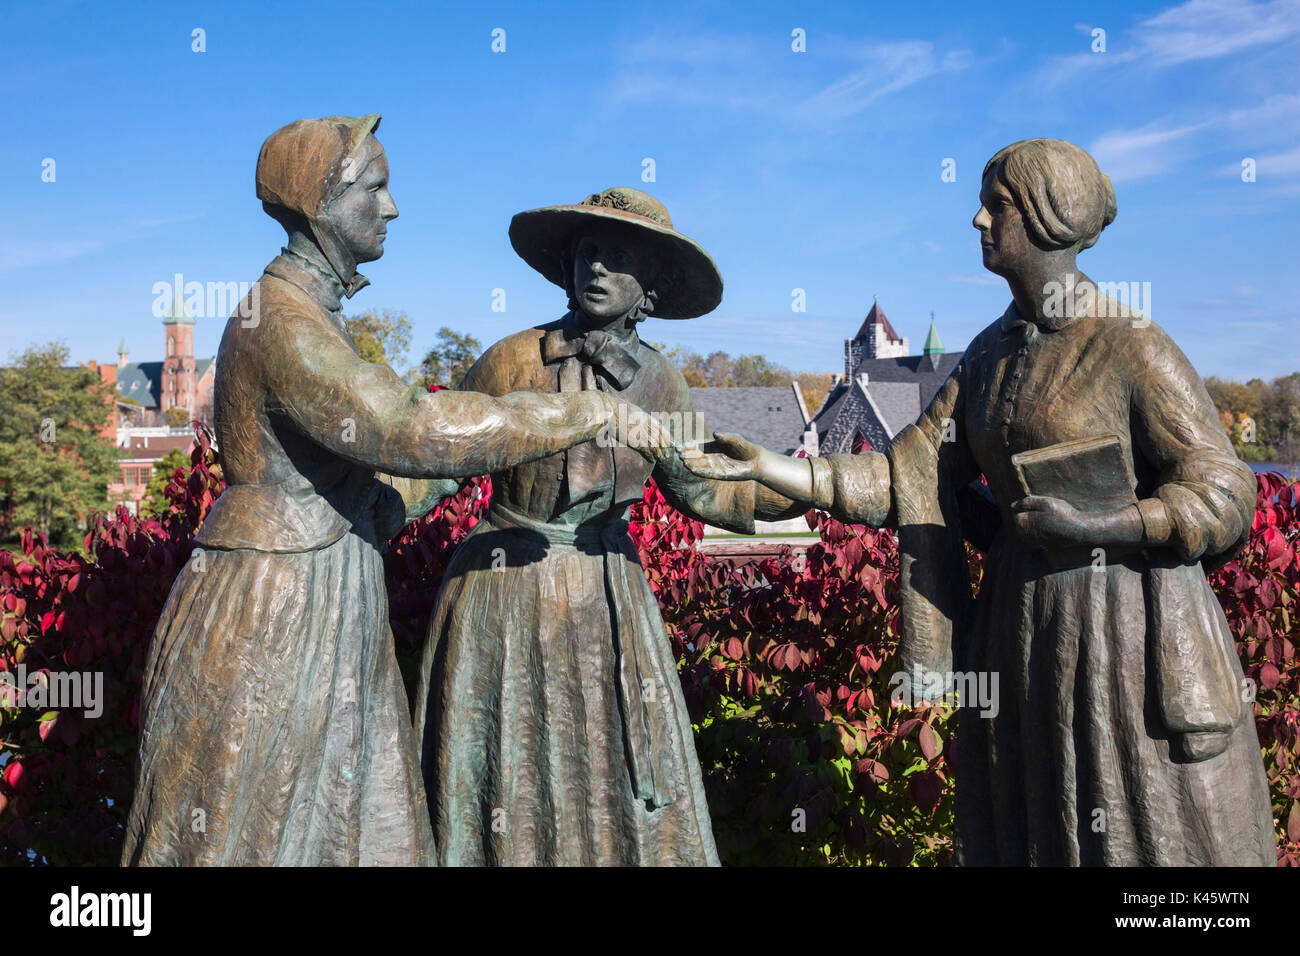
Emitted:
pixel 1003 238
pixel 609 274
pixel 360 215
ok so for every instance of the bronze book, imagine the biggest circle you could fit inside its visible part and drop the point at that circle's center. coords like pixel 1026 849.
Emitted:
pixel 1089 473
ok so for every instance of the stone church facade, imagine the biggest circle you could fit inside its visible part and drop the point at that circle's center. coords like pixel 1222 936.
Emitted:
pixel 883 388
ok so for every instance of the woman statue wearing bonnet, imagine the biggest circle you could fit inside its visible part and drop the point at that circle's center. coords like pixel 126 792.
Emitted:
pixel 274 725
pixel 1123 731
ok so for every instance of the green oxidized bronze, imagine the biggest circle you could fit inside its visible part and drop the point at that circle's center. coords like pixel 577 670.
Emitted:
pixel 1121 732
pixel 553 726
pixel 274 725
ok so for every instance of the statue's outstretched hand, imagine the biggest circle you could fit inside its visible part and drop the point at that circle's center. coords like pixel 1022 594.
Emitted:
pixel 642 432
pixel 728 457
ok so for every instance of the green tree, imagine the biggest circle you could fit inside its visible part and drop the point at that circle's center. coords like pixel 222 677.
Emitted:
pixel 720 370
pixel 1262 418
pixel 1281 410
pixel 449 360
pixel 54 465
pixel 380 337
pixel 177 417
pixel 755 370
pixel 154 502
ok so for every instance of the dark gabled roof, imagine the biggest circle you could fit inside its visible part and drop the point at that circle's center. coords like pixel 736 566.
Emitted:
pixel 898 404
pixel 899 388
pixel 877 315
pixel 141 381
pixel 769 416
pixel 911 368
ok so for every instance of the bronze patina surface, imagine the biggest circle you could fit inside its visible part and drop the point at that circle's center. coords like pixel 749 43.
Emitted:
pixel 274 726
pixel 1121 731
pixel 552 722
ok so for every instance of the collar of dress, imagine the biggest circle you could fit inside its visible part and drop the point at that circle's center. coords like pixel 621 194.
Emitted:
pixel 321 283
pixel 1012 322
pixel 615 356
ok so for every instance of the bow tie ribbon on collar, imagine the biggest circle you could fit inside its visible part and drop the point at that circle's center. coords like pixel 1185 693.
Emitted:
pixel 614 357
pixel 589 469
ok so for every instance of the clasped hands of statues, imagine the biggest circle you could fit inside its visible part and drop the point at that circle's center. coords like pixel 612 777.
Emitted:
pixel 1048 523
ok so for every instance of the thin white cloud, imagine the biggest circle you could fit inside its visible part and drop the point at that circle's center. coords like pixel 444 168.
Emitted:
pixel 1269 165
pixel 886 68
pixel 1204 29
pixel 977 280
pixel 741 73
pixel 35 253
pixel 1195 30
pixel 1135 153
pixel 27 255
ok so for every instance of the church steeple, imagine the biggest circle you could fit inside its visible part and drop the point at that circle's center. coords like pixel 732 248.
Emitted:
pixel 933 350
pixel 932 344
pixel 877 338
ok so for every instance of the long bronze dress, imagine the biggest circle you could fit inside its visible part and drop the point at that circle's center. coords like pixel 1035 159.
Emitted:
pixel 274 725
pixel 552 722
pixel 1104 675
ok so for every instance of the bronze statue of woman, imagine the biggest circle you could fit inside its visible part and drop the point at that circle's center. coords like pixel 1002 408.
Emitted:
pixel 274 725
pixel 1123 733
pixel 552 722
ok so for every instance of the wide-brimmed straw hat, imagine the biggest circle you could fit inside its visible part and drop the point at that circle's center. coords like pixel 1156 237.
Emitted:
pixel 543 237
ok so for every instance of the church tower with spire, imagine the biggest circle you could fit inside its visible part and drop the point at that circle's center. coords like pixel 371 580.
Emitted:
pixel 876 339
pixel 933 350
pixel 884 387
pixel 179 378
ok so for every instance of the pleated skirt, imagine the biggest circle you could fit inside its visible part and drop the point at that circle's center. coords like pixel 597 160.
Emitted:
pixel 521 736
pixel 275 729
pixel 1075 767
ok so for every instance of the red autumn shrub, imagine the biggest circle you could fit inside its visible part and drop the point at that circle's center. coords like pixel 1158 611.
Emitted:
pixel 1258 591
pixel 784 664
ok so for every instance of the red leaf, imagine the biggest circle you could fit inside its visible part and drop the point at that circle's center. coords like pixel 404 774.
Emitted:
pixel 926 789
pixel 1269 675
pixel 930 745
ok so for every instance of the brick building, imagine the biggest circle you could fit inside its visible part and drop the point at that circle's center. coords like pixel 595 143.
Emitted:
pixel 146 391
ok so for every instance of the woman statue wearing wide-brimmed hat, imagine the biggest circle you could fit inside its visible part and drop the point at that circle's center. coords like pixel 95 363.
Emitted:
pixel 1121 733
pixel 552 722
pixel 274 725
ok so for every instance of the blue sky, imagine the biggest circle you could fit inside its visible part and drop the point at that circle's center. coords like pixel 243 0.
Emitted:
pixel 818 170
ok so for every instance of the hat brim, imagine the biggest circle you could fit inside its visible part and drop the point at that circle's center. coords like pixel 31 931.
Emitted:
pixel 542 237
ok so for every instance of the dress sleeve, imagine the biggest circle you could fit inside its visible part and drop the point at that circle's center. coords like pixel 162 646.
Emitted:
pixel 728 504
pixel 1207 492
pixel 857 488
pixel 365 414
pixel 913 486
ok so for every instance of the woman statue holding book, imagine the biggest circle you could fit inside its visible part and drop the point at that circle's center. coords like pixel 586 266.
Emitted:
pixel 1123 731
